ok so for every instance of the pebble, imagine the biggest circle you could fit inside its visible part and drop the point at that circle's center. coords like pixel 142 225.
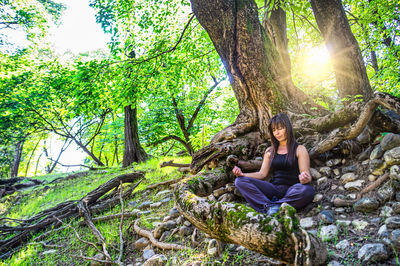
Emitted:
pixel 307 222
pixel 141 243
pixel 317 197
pixel 145 205
pixel 148 253
pixel 315 174
pixel 174 213
pixel 375 252
pixel 348 177
pixel 156 260
pixel 359 224
pixel 386 211
pixel 393 222
pixel 366 205
pixel 343 245
pixel 329 232
pixel 322 180
pixel 327 217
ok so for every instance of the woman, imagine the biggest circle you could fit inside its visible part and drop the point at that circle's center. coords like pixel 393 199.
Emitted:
pixel 290 164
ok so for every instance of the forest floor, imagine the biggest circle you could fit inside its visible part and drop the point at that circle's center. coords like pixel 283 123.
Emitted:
pixel 153 208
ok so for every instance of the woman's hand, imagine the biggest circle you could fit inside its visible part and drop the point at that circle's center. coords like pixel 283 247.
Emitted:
pixel 304 177
pixel 237 171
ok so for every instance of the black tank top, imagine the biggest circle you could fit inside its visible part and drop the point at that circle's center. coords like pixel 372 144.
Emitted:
pixel 285 173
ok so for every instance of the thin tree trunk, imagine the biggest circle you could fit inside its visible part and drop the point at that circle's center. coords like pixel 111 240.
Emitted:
pixel 83 147
pixel 37 163
pixel 348 64
pixel 30 157
pixel 17 158
pixel 133 152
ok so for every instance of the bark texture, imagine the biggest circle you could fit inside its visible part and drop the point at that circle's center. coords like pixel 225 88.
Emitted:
pixel 351 76
pixel 278 237
pixel 17 158
pixel 133 152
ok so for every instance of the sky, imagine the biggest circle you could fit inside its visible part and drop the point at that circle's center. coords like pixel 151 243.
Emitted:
pixel 79 32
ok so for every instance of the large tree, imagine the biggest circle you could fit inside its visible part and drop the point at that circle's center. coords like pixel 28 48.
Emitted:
pixel 255 56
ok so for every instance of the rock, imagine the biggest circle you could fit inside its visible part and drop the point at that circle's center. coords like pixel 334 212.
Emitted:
pixel 333 162
pixel 163 193
pixel 180 220
pixel 366 205
pixel 132 203
pixel 347 169
pixel 326 171
pixel 343 223
pixel 145 205
pixel 383 232
pixel 213 248
pixel 317 197
pixel 174 213
pixel 393 222
pixel 161 228
pixel 348 177
pixel 185 230
pixel 143 213
pixel 371 178
pixel 156 260
pixel 352 196
pixel 141 243
pixel 187 223
pixel 336 171
pixel 164 236
pixel 327 217
pixel 392 156
pixel 365 154
pixel 218 192
pixel 307 222
pixel 166 200
pixel 334 263
pixel 227 197
pixel 395 172
pixel 52 251
pixel 359 224
pixel 385 192
pixel 315 174
pixel 376 153
pixel 389 141
pixel 328 232
pixel 211 197
pixel 148 253
pixel 354 186
pixel 396 207
pixel 395 238
pixel 373 253
pixel 322 181
pixel 343 245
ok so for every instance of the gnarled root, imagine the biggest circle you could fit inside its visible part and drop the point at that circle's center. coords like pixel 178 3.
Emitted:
pixel 278 237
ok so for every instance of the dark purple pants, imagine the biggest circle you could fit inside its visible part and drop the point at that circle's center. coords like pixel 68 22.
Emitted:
pixel 261 194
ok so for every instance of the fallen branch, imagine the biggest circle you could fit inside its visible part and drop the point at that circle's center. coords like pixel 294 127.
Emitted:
pixel 172 164
pixel 149 235
pixel 165 183
pixel 347 203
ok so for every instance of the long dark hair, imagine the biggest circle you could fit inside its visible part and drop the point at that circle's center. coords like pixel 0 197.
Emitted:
pixel 282 120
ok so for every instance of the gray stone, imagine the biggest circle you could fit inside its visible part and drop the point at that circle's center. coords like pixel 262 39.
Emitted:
pixel 375 252
pixel 185 230
pixel 334 263
pixel 164 236
pixel 322 180
pixel 366 205
pixel 389 141
pixel 347 169
pixel 187 223
pixel 156 260
pixel 395 238
pixel 376 153
pixel 395 172
pixel 317 197
pixel 327 217
pixel 377 166
pixel 166 200
pixel 371 178
pixel 328 232
pixel 148 253
pixel 392 156
pixel 393 222
pixel 343 223
pixel 348 177
pixel 141 243
pixel 396 207
pixel 365 154
pixel 211 197
pixel 156 205
pixel 144 213
pixel 307 222
pixel 98 256
pixel 359 224
pixel 343 245
pixel 383 232
pixel 354 186
pixel 352 196
pixel 385 192
pixel 326 171
pixel 315 174
pixel 213 248
pixel 174 213
pixel 161 228
pixel 227 197
pixel 51 251
pixel 333 162
pixel 163 193
pixel 386 211
pixel 336 171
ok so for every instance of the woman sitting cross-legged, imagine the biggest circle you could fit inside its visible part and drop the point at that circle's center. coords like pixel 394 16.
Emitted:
pixel 290 165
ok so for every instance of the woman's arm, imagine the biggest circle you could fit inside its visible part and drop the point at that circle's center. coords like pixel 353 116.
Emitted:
pixel 260 174
pixel 304 164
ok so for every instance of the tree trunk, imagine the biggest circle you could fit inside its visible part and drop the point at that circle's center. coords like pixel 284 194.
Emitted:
pixel 133 152
pixel 255 68
pixel 351 76
pixel 17 158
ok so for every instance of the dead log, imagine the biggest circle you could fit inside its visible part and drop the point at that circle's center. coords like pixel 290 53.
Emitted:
pixel 65 210
pixel 278 237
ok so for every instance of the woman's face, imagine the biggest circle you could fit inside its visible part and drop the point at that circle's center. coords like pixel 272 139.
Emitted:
pixel 279 132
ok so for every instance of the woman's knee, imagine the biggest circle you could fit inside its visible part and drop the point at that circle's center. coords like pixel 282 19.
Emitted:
pixel 240 181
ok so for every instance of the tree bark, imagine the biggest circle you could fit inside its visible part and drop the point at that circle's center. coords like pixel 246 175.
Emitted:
pixel 255 68
pixel 133 152
pixel 17 158
pixel 351 75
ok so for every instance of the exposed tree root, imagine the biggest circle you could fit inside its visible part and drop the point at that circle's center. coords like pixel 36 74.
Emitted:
pixel 10 186
pixel 346 203
pixel 65 210
pixel 171 163
pixel 278 237
pixel 162 245
pixel 165 183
